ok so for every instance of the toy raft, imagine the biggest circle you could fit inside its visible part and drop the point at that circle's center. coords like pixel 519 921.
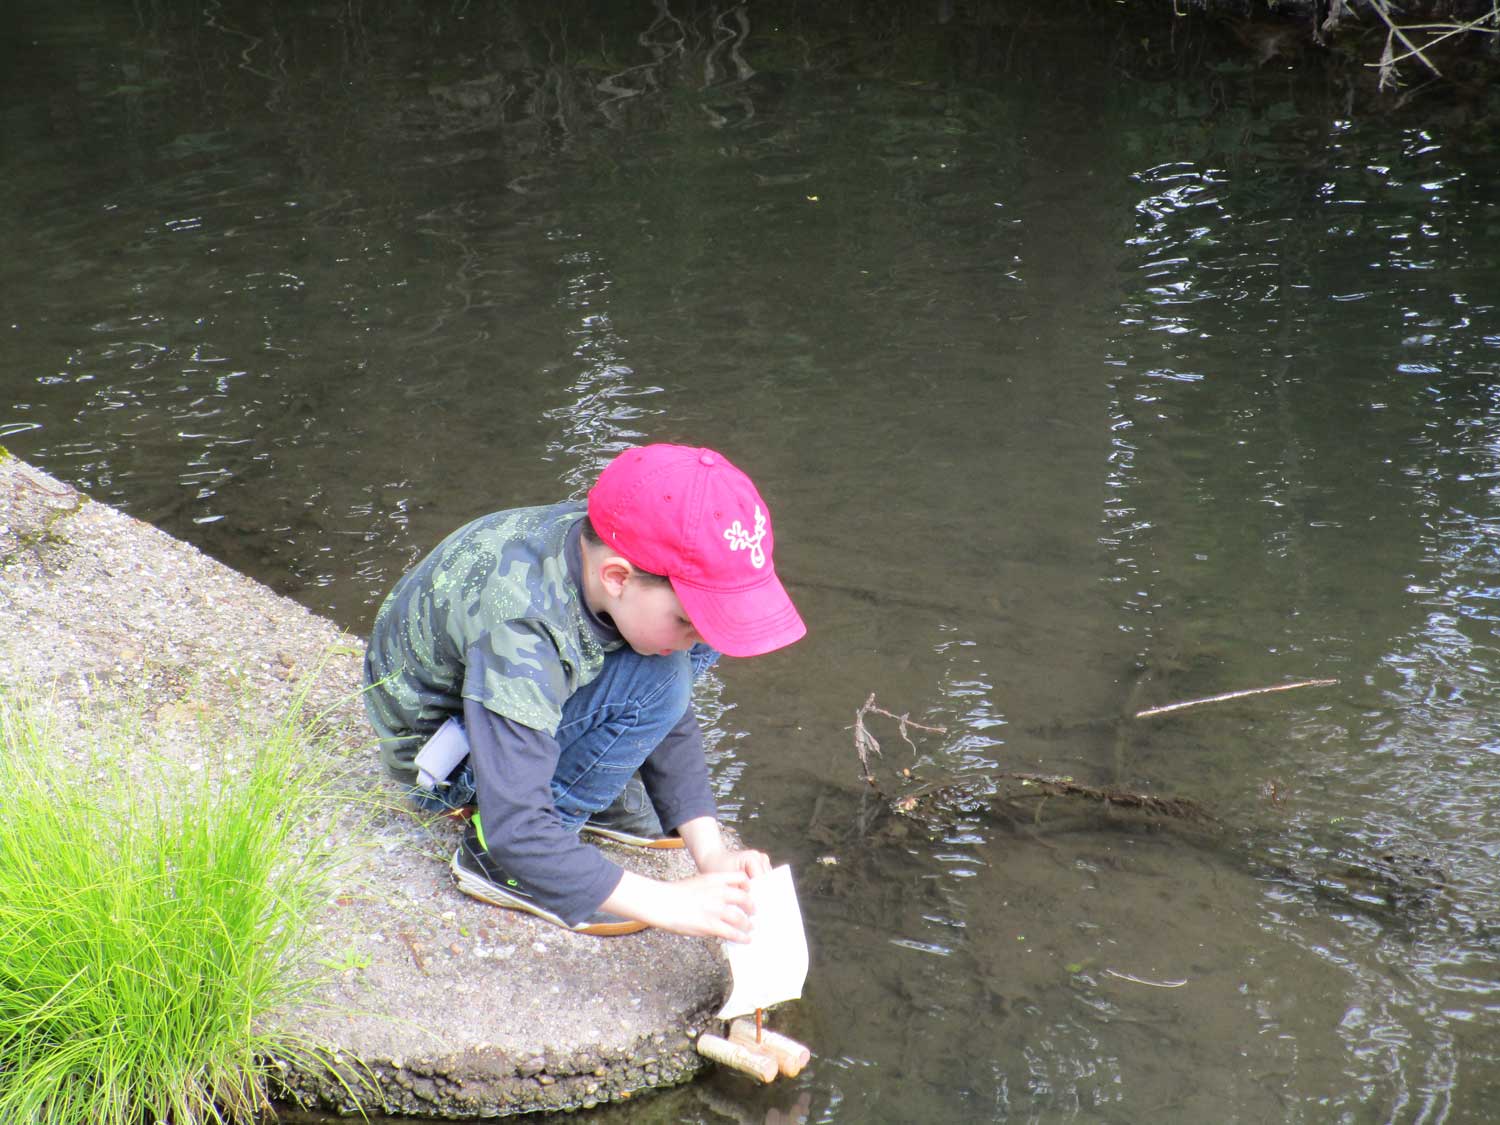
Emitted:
pixel 768 969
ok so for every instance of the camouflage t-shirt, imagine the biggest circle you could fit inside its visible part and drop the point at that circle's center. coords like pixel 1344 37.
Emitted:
pixel 491 615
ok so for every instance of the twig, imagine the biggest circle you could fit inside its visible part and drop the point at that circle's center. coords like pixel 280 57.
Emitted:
pixel 866 743
pixel 1143 980
pixel 1387 63
pixel 1455 28
pixel 416 950
pixel 1396 30
pixel 1146 714
pixel 1449 30
pixel 904 719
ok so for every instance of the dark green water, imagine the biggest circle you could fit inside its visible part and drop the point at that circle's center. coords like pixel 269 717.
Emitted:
pixel 1088 367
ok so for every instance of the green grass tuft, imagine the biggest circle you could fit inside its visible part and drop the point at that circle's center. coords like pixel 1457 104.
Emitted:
pixel 151 915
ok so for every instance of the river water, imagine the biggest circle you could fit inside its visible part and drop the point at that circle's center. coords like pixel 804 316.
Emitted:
pixel 1088 366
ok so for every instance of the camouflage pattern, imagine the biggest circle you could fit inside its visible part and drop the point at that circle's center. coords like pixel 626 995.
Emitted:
pixel 492 615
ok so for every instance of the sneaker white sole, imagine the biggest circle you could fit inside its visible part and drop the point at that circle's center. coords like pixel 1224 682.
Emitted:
pixel 485 891
pixel 630 840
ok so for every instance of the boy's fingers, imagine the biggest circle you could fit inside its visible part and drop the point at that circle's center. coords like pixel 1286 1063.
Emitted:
pixel 738 924
pixel 734 908
pixel 739 898
pixel 737 878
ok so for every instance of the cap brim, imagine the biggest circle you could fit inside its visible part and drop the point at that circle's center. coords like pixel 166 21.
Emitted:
pixel 746 622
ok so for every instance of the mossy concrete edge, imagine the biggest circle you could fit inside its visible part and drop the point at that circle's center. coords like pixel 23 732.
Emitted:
pixel 434 1005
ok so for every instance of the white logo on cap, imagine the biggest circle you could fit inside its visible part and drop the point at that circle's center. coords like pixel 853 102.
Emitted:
pixel 742 540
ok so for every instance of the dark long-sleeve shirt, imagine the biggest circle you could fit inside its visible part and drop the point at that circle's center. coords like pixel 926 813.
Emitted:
pixel 513 768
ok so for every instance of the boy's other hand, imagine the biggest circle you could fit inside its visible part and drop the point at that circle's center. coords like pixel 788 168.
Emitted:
pixel 706 843
pixel 747 860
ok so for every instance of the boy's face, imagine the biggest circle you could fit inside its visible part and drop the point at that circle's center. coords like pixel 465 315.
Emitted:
pixel 651 619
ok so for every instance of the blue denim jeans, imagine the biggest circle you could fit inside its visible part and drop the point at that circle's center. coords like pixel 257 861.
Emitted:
pixel 609 727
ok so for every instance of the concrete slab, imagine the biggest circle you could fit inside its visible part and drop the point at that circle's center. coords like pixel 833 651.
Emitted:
pixel 446 1007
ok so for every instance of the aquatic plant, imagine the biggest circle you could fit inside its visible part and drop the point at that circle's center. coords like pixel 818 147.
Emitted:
pixel 151 915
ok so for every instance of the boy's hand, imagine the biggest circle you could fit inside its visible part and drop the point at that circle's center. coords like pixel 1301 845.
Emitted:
pixel 706 843
pixel 712 904
pixel 751 863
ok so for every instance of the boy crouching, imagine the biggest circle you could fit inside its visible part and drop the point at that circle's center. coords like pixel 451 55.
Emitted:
pixel 538 664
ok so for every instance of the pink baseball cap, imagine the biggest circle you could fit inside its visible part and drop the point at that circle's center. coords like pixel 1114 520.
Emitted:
pixel 689 514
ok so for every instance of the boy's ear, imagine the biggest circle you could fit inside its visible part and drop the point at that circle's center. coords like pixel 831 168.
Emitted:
pixel 614 572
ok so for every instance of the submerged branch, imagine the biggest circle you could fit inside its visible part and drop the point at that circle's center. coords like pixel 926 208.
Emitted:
pixel 1009 788
pixel 1333 867
pixel 866 744
pixel 1003 786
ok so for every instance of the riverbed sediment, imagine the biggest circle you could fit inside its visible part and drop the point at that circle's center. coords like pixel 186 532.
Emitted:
pixel 434 1005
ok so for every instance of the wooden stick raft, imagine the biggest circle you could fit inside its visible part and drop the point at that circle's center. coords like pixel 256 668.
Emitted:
pixel 755 1051
pixel 790 1055
pixel 738 1056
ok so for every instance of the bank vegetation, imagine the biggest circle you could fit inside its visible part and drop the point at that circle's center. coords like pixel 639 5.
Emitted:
pixel 152 916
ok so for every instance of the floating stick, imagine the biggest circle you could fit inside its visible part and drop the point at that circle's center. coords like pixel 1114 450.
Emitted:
pixel 1143 980
pixel 1230 695
pixel 746 1058
pixel 790 1055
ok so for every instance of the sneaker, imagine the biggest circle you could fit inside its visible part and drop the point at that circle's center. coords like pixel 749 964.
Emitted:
pixel 477 875
pixel 631 820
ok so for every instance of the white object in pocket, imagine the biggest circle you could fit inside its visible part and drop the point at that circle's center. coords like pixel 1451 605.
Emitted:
pixel 440 754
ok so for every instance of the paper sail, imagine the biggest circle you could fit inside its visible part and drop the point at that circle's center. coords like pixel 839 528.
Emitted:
pixel 772 965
